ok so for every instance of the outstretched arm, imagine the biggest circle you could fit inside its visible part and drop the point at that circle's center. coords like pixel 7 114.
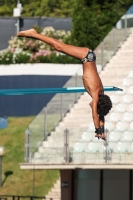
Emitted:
pixel 102 122
pixel 98 120
pixel 74 51
pixel 94 111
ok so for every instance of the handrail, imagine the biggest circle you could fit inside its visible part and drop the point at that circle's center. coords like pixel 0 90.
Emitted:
pixel 5 197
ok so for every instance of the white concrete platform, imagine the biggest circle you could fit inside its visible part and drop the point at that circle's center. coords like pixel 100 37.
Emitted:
pixel 42 69
pixel 76 166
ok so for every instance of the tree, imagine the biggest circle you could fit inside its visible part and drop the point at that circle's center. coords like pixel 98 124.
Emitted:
pixel 93 19
pixel 33 8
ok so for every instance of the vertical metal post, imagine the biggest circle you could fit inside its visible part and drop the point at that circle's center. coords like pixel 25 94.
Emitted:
pixel 102 57
pixel 18 24
pixel 114 39
pixel 13 198
pixel 76 83
pixel 125 26
pixel 61 112
pixel 0 171
pixel 33 185
pixel 105 153
pixel 66 145
pixel 106 144
pixel 27 145
pixel 45 123
pixel 18 19
pixel 106 148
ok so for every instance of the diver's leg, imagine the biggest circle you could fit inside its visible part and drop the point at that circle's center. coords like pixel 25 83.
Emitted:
pixel 74 51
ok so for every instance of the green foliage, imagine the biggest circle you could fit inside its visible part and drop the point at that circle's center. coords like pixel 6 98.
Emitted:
pixel 58 58
pixel 33 45
pixel 32 8
pixel 38 28
pixel 6 11
pixel 6 57
pixel 92 20
pixel 95 19
pixel 22 58
pixel 42 56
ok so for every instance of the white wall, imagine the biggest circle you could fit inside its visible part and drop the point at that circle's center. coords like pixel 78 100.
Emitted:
pixel 42 69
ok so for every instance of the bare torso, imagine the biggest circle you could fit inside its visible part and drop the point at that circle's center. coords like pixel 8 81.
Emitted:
pixel 91 79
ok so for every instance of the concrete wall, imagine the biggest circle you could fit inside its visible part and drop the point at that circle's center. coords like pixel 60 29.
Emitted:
pixel 27 105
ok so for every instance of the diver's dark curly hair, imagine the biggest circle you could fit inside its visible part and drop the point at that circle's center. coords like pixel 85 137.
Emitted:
pixel 104 105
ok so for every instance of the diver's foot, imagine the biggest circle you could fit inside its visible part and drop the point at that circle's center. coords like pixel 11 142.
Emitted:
pixel 101 136
pixel 27 33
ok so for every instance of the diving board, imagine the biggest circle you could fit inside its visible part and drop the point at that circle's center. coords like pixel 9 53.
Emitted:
pixel 51 90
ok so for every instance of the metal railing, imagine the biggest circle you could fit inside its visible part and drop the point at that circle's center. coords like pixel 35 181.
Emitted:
pixel 50 116
pixel 109 46
pixel 15 197
pixel 77 150
pixel 48 119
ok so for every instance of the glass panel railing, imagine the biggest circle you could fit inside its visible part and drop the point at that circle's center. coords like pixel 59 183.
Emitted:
pixel 50 116
pixel 111 43
pixel 35 133
pixel 78 151
pixel 60 105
